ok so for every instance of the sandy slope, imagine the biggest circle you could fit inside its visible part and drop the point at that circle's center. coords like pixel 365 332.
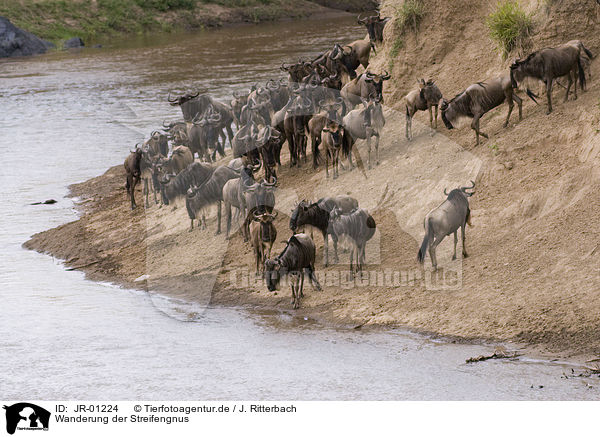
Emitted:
pixel 534 268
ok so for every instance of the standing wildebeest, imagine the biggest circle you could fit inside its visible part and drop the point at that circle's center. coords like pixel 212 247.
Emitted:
pixel 478 99
pixel 209 193
pixel 550 63
pixel 203 134
pixel 258 198
pixel 332 138
pixel 317 215
pixel 173 186
pixel 233 197
pixel 298 255
pixel 374 25
pixel 132 169
pixel 194 104
pixel 359 225
pixel 444 220
pixel 364 87
pixel 262 237
pixel 363 123
pixel 354 54
pixel 424 98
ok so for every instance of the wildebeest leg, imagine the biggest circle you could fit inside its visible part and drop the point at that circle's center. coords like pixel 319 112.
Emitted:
pixel 511 105
pixel 369 150
pixel 313 278
pixel 475 127
pixel 218 218
pixel 436 117
pixel 432 245
pixel 325 249
pixel 313 147
pixel 549 95
pixel 146 191
pixel 408 125
pixel 335 251
pixel 569 83
pixel 462 234
pixel 575 83
pixel 377 150
pixel 290 140
pixel 351 261
pixel 229 135
pixel 519 104
pixel 191 225
pixel 430 117
pixel 302 283
pixel 327 164
pixel 228 216
pixel 455 241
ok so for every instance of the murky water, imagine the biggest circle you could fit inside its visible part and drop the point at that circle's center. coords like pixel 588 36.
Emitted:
pixel 68 116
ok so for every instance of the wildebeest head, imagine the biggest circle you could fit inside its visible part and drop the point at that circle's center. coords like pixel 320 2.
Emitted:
pixel 265 220
pixel 178 101
pixel 444 108
pixel 300 215
pixel 376 80
pixel 272 273
pixel 336 131
pixel 429 91
pixel 461 191
pixel 374 25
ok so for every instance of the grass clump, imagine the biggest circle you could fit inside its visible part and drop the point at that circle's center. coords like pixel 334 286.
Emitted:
pixel 395 50
pixel 409 15
pixel 509 26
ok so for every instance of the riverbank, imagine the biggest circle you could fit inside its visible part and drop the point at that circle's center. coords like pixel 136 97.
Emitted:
pixel 96 21
pixel 533 271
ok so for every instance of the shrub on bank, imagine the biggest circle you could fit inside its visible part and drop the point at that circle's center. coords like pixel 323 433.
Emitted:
pixel 510 26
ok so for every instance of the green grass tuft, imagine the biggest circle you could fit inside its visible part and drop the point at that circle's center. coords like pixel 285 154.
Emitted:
pixel 510 26
pixel 409 15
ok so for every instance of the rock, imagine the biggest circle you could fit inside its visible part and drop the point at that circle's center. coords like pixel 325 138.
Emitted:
pixel 18 42
pixel 73 43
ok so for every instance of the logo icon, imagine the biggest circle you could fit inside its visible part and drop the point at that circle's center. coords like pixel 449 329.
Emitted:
pixel 26 416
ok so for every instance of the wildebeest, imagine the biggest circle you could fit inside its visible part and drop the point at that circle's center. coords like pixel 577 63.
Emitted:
pixel 194 104
pixel 258 198
pixel 296 118
pixel 354 54
pixel 375 25
pixel 194 174
pixel 444 220
pixel 209 193
pixel 428 95
pixel 203 134
pixel 133 173
pixel 364 87
pixel 317 215
pixel 363 123
pixel 233 197
pixel 180 158
pixel 332 138
pixel 359 225
pixel 298 256
pixel 550 63
pixel 478 99
pixel 262 237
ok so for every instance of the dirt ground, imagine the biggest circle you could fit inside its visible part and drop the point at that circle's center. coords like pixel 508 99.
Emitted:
pixel 533 274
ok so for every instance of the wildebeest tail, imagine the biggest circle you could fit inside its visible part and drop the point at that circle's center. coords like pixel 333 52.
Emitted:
pixel 581 73
pixel 532 95
pixel 346 144
pixel 587 51
pixel 425 243
pixel 469 217
pixel 371 222
pixel 316 153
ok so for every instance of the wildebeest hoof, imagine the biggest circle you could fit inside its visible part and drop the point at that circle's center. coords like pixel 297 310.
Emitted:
pixel 453 257
pixel 548 112
pixel 505 125
pixel 465 255
pixel 218 233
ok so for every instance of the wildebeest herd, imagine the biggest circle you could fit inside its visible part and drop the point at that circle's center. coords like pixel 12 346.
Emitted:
pixel 323 102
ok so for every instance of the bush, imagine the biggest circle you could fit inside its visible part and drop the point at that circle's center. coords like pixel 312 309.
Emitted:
pixel 509 26
pixel 409 14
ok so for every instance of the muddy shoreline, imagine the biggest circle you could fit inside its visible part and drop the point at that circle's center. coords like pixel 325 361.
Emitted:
pixel 109 243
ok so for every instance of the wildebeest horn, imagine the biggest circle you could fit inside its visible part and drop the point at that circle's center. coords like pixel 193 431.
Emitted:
pixel 154 133
pixel 385 75
pixel 169 98
pixel 270 184
pixel 463 189
pixel 273 216
pixel 445 191
pixel 166 126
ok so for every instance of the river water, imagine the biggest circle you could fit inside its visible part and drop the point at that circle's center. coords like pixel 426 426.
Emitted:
pixel 67 117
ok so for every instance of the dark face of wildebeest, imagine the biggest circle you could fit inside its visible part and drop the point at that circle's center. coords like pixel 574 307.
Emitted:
pixel 272 273
pixel 376 82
